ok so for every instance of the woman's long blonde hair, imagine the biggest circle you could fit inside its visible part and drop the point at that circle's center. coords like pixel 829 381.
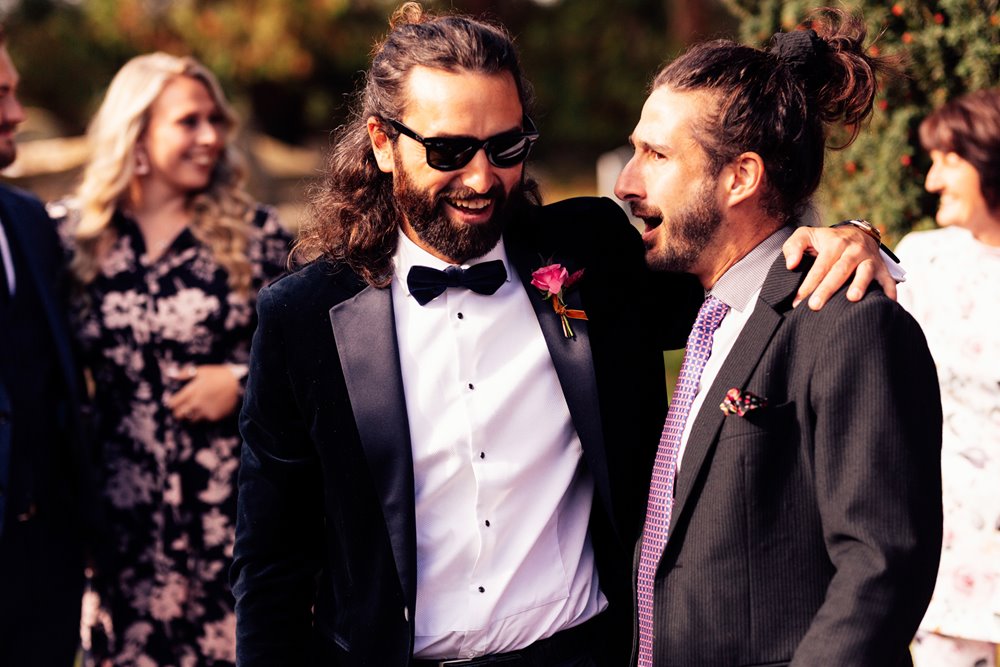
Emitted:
pixel 221 212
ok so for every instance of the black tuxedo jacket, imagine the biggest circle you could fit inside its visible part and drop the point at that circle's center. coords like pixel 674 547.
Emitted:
pixel 326 492
pixel 807 532
pixel 31 234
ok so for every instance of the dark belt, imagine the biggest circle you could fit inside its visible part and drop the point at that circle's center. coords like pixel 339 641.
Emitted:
pixel 564 645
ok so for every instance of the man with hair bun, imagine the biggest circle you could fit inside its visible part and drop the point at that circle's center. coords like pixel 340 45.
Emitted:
pixel 450 415
pixel 794 513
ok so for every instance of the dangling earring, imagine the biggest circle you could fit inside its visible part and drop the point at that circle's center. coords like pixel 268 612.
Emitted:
pixel 141 162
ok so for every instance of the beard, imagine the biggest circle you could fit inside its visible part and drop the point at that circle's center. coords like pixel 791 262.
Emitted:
pixel 689 231
pixel 427 215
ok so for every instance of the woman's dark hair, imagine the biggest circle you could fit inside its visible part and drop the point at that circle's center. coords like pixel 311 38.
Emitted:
pixel 969 126
pixel 353 216
pixel 779 102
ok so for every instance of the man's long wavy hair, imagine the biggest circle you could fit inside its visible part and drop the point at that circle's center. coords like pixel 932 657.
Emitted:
pixel 353 216
pixel 221 212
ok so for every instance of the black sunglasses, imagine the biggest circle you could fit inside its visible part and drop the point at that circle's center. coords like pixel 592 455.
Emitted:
pixel 504 150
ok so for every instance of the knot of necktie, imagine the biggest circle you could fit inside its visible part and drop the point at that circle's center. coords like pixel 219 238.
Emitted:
pixel 426 284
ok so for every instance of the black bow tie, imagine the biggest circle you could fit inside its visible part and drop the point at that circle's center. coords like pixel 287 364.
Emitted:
pixel 426 284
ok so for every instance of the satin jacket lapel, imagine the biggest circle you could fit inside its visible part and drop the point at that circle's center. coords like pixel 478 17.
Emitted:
pixel 775 299
pixel 365 331
pixel 573 361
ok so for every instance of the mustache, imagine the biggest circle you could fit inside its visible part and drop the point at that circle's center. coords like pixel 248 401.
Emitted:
pixel 495 192
pixel 641 211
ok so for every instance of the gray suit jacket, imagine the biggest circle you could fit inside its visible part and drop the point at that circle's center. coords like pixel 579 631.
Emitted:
pixel 808 532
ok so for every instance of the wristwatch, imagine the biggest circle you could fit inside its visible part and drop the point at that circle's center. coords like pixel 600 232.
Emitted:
pixel 872 231
pixel 865 226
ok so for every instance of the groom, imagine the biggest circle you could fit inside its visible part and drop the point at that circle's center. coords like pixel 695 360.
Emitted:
pixel 443 460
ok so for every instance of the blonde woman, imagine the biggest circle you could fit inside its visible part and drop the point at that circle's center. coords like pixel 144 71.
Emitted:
pixel 168 253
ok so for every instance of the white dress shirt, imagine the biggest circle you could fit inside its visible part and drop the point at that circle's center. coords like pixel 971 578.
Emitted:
pixel 503 498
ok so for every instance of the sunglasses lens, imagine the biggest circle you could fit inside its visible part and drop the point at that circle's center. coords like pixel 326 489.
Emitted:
pixel 448 154
pixel 504 151
pixel 508 151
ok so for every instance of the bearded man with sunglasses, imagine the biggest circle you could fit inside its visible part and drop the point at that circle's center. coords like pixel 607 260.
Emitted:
pixel 446 450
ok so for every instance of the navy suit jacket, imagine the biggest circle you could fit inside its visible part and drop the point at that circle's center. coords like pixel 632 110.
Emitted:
pixel 30 232
pixel 326 492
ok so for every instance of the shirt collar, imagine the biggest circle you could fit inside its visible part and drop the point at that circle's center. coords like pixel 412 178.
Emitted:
pixel 743 280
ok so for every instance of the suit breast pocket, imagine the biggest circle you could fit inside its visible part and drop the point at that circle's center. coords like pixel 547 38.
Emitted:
pixel 759 427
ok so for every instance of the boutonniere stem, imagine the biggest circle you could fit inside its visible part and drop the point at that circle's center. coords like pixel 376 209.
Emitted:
pixel 553 280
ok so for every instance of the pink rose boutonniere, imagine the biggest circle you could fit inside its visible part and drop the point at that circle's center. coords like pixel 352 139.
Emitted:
pixel 552 280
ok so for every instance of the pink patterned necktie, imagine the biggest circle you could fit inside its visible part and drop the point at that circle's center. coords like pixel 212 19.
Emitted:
pixel 661 487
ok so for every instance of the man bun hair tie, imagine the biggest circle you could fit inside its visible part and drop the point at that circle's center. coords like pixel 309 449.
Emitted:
pixel 797 49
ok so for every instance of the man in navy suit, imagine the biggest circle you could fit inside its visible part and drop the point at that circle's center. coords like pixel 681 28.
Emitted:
pixel 42 469
pixel 450 416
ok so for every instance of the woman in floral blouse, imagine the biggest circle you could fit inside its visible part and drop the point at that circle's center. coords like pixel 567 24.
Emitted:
pixel 169 253
pixel 951 289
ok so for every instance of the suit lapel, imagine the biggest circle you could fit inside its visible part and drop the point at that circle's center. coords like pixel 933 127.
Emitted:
pixel 365 331
pixel 768 314
pixel 572 359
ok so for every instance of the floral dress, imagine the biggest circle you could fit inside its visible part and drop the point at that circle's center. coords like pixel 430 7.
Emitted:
pixel 169 486
pixel 951 290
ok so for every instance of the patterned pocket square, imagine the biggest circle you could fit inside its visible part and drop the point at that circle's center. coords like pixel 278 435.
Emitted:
pixel 739 403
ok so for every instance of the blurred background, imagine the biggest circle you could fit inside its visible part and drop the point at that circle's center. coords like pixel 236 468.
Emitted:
pixel 290 65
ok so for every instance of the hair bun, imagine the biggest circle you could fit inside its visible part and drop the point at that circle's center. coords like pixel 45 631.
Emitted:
pixel 797 49
pixel 407 14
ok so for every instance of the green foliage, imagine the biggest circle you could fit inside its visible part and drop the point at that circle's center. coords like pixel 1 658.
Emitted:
pixel 949 47
pixel 240 41
pixel 283 56
pixel 591 62
pixel 292 63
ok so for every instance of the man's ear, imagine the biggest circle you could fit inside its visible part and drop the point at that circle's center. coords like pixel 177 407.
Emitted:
pixel 381 145
pixel 743 177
